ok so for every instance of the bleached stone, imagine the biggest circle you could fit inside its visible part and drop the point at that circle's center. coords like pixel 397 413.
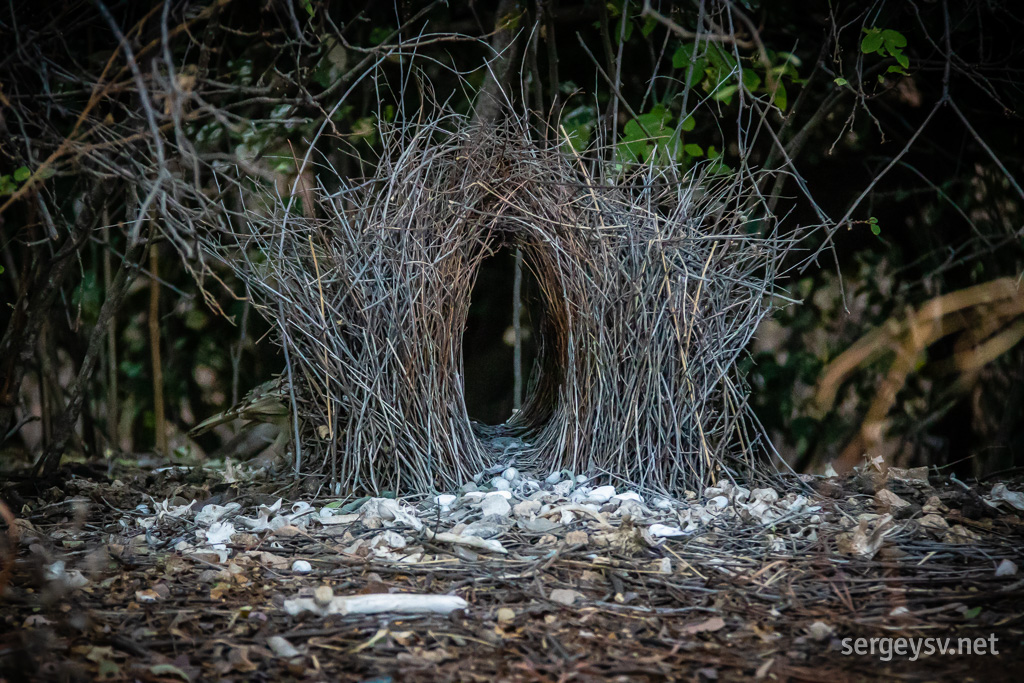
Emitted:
pixel 444 500
pixel 565 596
pixel 495 505
pixel 510 474
pixel 301 567
pixel 1006 568
pixel 528 508
pixel 602 494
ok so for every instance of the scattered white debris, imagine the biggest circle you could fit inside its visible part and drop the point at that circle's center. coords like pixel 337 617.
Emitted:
pixel 495 505
pixel 565 596
pixel 219 534
pixel 527 508
pixel 214 513
pixel 819 630
pixel 602 494
pixel 376 603
pixel 1001 494
pixel 445 500
pixel 1006 568
pixel 628 495
pixel 57 572
pixel 500 500
pixel 282 648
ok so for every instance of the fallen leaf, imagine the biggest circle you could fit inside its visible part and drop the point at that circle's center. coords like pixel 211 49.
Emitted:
pixel 707 626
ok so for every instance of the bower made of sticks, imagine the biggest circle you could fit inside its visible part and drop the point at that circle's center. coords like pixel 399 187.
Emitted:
pixel 652 284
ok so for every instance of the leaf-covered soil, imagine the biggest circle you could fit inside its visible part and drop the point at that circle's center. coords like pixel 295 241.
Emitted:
pixel 87 594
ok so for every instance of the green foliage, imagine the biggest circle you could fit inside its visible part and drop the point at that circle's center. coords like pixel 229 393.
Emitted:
pixel 719 73
pixel 379 34
pixel 886 43
pixel 646 134
pixel 578 125
pixel 9 183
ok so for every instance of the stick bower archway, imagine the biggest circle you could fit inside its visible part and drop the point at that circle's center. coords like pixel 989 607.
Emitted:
pixel 652 281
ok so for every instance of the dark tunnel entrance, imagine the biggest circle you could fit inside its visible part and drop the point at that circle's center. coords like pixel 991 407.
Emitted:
pixel 488 343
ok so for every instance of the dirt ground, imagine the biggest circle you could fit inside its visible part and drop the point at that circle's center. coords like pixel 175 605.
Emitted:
pixel 126 606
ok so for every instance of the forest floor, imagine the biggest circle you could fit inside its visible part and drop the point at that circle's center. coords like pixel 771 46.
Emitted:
pixel 88 594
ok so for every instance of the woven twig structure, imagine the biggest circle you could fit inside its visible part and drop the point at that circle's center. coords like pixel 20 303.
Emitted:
pixel 653 281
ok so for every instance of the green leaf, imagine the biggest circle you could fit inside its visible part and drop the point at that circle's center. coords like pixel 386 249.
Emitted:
pixel 790 58
pixel 725 93
pixel 308 6
pixel 872 41
pixel 22 174
pixel 626 34
pixel 893 39
pixel 713 153
pixel 648 26
pixel 781 99
pixel 751 81
pixel 379 34
pixel 972 613
pixel 896 70
pixel 164 670
pixel 876 229
pixel 698 73
pixel 1 270
pixel 841 81
pixel 784 70
pixel 901 58
pixel 693 150
pixel 578 136
pixel 688 124
pixel 719 168
pixel 720 58
pixel 7 185
pixel 682 56
pixel 354 505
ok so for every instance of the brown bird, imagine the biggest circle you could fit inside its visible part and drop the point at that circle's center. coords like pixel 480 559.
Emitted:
pixel 266 404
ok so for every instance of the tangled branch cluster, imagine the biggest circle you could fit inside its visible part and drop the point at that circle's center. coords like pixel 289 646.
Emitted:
pixel 652 284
